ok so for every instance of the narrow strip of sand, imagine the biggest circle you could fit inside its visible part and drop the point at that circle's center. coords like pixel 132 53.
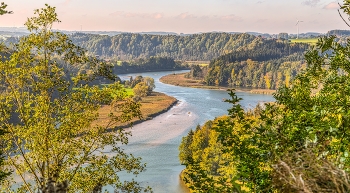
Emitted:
pixel 164 127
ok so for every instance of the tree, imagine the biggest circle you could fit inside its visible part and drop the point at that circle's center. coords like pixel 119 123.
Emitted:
pixel 196 71
pixel 53 139
pixel 149 81
pixel 3 10
pixel 185 152
pixel 141 89
pixel 3 174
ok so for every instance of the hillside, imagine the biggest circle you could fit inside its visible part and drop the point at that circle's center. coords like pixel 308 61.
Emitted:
pixel 206 46
pixel 261 64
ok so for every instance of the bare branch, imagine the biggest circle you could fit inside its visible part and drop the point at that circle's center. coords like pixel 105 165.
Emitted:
pixel 342 16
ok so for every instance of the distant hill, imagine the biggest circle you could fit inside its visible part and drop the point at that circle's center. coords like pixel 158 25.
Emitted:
pixel 206 46
pixel 339 32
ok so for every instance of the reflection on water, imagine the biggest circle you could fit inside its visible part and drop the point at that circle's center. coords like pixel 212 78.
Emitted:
pixel 157 140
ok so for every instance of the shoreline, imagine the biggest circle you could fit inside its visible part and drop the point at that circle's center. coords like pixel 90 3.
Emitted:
pixel 151 106
pixel 143 71
pixel 183 183
pixel 180 80
pixel 149 117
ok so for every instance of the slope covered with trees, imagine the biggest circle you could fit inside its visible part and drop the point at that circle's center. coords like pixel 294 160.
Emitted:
pixel 149 64
pixel 300 143
pixel 200 47
pixel 261 64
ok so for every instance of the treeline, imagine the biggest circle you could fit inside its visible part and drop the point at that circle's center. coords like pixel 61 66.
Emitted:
pixel 266 74
pixel 263 50
pixel 265 64
pixel 339 32
pixel 149 64
pixel 206 46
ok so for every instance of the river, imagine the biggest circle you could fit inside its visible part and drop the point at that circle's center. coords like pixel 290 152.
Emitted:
pixel 157 140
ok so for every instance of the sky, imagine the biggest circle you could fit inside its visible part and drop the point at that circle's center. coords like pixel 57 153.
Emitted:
pixel 184 16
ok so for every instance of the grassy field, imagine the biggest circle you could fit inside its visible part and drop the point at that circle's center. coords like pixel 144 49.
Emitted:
pixel 180 80
pixel 129 91
pixel 200 63
pixel 151 106
pixel 311 41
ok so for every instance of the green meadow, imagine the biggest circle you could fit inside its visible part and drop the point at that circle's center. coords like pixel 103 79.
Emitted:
pixel 311 41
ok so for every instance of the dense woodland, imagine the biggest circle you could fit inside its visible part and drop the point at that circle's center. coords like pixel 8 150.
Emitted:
pixel 130 46
pixel 262 64
pixel 145 65
pixel 204 46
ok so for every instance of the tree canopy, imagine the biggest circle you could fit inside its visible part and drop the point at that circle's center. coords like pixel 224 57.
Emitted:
pixel 3 10
pixel 3 174
pixel 53 140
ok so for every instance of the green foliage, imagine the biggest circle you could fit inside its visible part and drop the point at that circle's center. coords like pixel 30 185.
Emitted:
pixel 3 10
pixel 300 143
pixel 145 65
pixel 185 154
pixel 52 139
pixel 311 41
pixel 265 64
pixel 140 89
pixel 3 174
pixel 210 166
pixel 196 47
pixel 142 86
pixel 196 72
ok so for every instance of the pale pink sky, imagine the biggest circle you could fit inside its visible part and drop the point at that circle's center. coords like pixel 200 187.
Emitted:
pixel 184 16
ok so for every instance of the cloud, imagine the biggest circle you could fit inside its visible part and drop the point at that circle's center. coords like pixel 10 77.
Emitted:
pixel 139 15
pixel 66 2
pixel 311 3
pixel 231 17
pixel 157 15
pixel 332 5
pixel 259 2
pixel 186 16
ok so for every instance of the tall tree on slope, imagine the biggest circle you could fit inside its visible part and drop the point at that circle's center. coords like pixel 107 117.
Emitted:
pixel 56 145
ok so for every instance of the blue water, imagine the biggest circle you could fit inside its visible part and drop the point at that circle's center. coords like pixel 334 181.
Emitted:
pixel 157 140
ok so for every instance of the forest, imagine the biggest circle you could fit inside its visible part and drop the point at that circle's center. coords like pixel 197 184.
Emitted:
pixel 145 65
pixel 130 46
pixel 300 143
pixel 262 64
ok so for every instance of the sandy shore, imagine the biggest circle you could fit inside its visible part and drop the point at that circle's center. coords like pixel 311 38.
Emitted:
pixel 165 126
pixel 181 80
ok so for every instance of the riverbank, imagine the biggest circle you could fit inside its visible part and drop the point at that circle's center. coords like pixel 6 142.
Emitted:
pixel 131 71
pixel 151 106
pixel 181 80
pixel 183 183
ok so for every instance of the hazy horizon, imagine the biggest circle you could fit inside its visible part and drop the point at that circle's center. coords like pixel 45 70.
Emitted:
pixel 195 16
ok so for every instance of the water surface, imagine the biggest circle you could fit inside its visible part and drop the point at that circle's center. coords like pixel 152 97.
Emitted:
pixel 157 140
